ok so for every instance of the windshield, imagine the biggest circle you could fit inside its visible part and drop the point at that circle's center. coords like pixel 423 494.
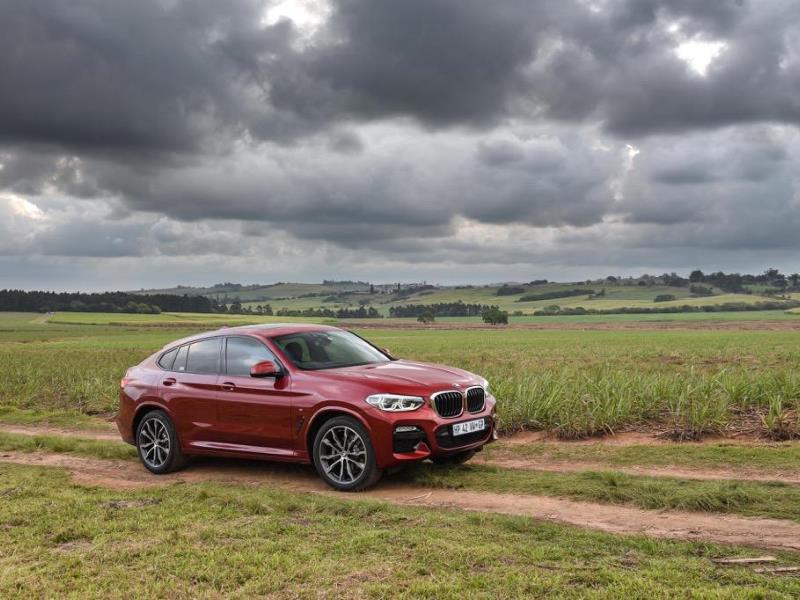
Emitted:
pixel 328 350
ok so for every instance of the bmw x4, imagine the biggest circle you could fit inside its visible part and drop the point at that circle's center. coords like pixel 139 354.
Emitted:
pixel 301 393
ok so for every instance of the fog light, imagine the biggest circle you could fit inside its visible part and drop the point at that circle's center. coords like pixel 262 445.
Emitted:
pixel 406 428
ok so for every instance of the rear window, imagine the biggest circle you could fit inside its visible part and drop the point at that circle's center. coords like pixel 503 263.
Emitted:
pixel 168 359
pixel 203 356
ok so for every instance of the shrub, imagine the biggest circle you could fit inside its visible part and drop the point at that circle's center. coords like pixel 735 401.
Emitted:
pixel 426 317
pixel 558 294
pixel 664 298
pixel 495 316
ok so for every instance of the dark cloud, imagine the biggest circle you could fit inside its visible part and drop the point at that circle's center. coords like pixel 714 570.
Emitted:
pixel 438 131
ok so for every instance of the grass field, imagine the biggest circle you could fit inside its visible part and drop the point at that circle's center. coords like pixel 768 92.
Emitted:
pixel 571 381
pixel 210 539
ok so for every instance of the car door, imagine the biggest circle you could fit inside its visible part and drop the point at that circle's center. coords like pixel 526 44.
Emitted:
pixel 190 388
pixel 254 412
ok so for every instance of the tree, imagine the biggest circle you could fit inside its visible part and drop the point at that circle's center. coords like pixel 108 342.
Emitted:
pixel 426 317
pixel 696 276
pixel 495 316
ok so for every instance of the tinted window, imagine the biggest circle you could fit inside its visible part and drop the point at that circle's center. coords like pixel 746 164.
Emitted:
pixel 328 350
pixel 203 357
pixel 180 359
pixel 167 359
pixel 243 353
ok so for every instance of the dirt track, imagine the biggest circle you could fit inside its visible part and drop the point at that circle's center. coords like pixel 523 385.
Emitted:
pixel 728 529
pixel 531 463
pixel 649 471
pixel 755 325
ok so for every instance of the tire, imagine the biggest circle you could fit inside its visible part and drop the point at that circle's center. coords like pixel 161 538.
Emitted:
pixel 353 471
pixel 454 459
pixel 166 456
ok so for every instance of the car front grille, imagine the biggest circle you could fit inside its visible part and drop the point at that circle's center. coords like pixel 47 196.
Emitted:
pixel 445 438
pixel 476 398
pixel 449 404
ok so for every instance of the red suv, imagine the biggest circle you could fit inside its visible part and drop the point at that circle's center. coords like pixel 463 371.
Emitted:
pixel 301 393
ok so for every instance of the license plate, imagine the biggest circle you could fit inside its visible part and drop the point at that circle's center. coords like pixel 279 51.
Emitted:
pixel 469 427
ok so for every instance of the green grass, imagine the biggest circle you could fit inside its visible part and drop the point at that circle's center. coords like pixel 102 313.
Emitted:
pixel 55 418
pixel 783 456
pixel 573 382
pixel 170 319
pixel 62 540
pixel 772 500
pixel 66 445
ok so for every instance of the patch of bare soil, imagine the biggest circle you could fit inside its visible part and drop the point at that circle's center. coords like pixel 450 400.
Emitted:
pixel 787 325
pixel 727 529
pixel 572 466
pixel 109 435
pixel 627 438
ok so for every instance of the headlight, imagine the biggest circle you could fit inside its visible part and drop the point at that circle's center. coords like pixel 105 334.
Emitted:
pixel 486 389
pixel 395 402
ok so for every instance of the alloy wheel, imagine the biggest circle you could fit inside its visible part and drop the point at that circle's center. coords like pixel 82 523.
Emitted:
pixel 343 454
pixel 154 443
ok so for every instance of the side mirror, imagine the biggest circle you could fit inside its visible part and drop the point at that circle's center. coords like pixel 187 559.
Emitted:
pixel 265 368
pixel 386 351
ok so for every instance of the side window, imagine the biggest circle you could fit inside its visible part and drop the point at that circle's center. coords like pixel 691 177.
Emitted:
pixel 203 357
pixel 167 359
pixel 242 353
pixel 180 359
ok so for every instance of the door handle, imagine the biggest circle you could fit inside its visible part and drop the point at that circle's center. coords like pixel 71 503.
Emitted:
pixel 170 381
pixel 228 386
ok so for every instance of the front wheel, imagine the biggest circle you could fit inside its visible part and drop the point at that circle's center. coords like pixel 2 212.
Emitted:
pixel 343 455
pixel 454 459
pixel 158 444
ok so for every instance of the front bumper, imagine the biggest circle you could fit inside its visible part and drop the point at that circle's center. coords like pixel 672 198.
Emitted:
pixel 397 443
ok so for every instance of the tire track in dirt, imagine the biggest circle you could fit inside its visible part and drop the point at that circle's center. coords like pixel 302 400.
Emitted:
pixel 528 463
pixel 726 529
pixel 646 471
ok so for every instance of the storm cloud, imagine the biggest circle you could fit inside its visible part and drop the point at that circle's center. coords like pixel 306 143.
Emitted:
pixel 451 139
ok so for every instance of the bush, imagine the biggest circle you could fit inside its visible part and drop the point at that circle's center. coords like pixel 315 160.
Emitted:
pixel 495 316
pixel 554 295
pixel 426 317
pixel 664 298
pixel 509 290
pixel 700 290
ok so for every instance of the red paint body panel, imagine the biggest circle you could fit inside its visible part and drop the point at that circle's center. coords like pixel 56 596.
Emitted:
pixel 273 417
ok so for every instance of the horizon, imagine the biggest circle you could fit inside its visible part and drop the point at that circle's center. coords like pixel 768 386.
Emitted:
pixel 634 277
pixel 152 142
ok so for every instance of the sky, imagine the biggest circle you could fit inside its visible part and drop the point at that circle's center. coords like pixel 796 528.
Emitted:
pixel 164 142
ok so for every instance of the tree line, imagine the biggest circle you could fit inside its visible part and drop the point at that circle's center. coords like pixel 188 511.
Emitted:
pixel 441 309
pixel 123 302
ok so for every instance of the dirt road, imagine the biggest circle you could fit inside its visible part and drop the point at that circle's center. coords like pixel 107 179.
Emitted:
pixel 728 529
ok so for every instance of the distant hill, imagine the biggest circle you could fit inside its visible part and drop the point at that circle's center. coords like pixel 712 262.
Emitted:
pixel 662 293
pixel 260 293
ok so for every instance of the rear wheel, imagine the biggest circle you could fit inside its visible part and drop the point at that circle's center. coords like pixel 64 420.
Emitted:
pixel 458 458
pixel 343 455
pixel 158 444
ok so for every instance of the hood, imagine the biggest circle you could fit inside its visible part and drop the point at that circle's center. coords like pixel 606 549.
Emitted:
pixel 405 375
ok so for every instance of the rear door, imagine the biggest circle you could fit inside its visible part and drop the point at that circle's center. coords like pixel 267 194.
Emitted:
pixel 190 388
pixel 254 413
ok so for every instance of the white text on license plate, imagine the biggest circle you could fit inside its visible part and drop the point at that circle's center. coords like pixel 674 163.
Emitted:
pixel 469 427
